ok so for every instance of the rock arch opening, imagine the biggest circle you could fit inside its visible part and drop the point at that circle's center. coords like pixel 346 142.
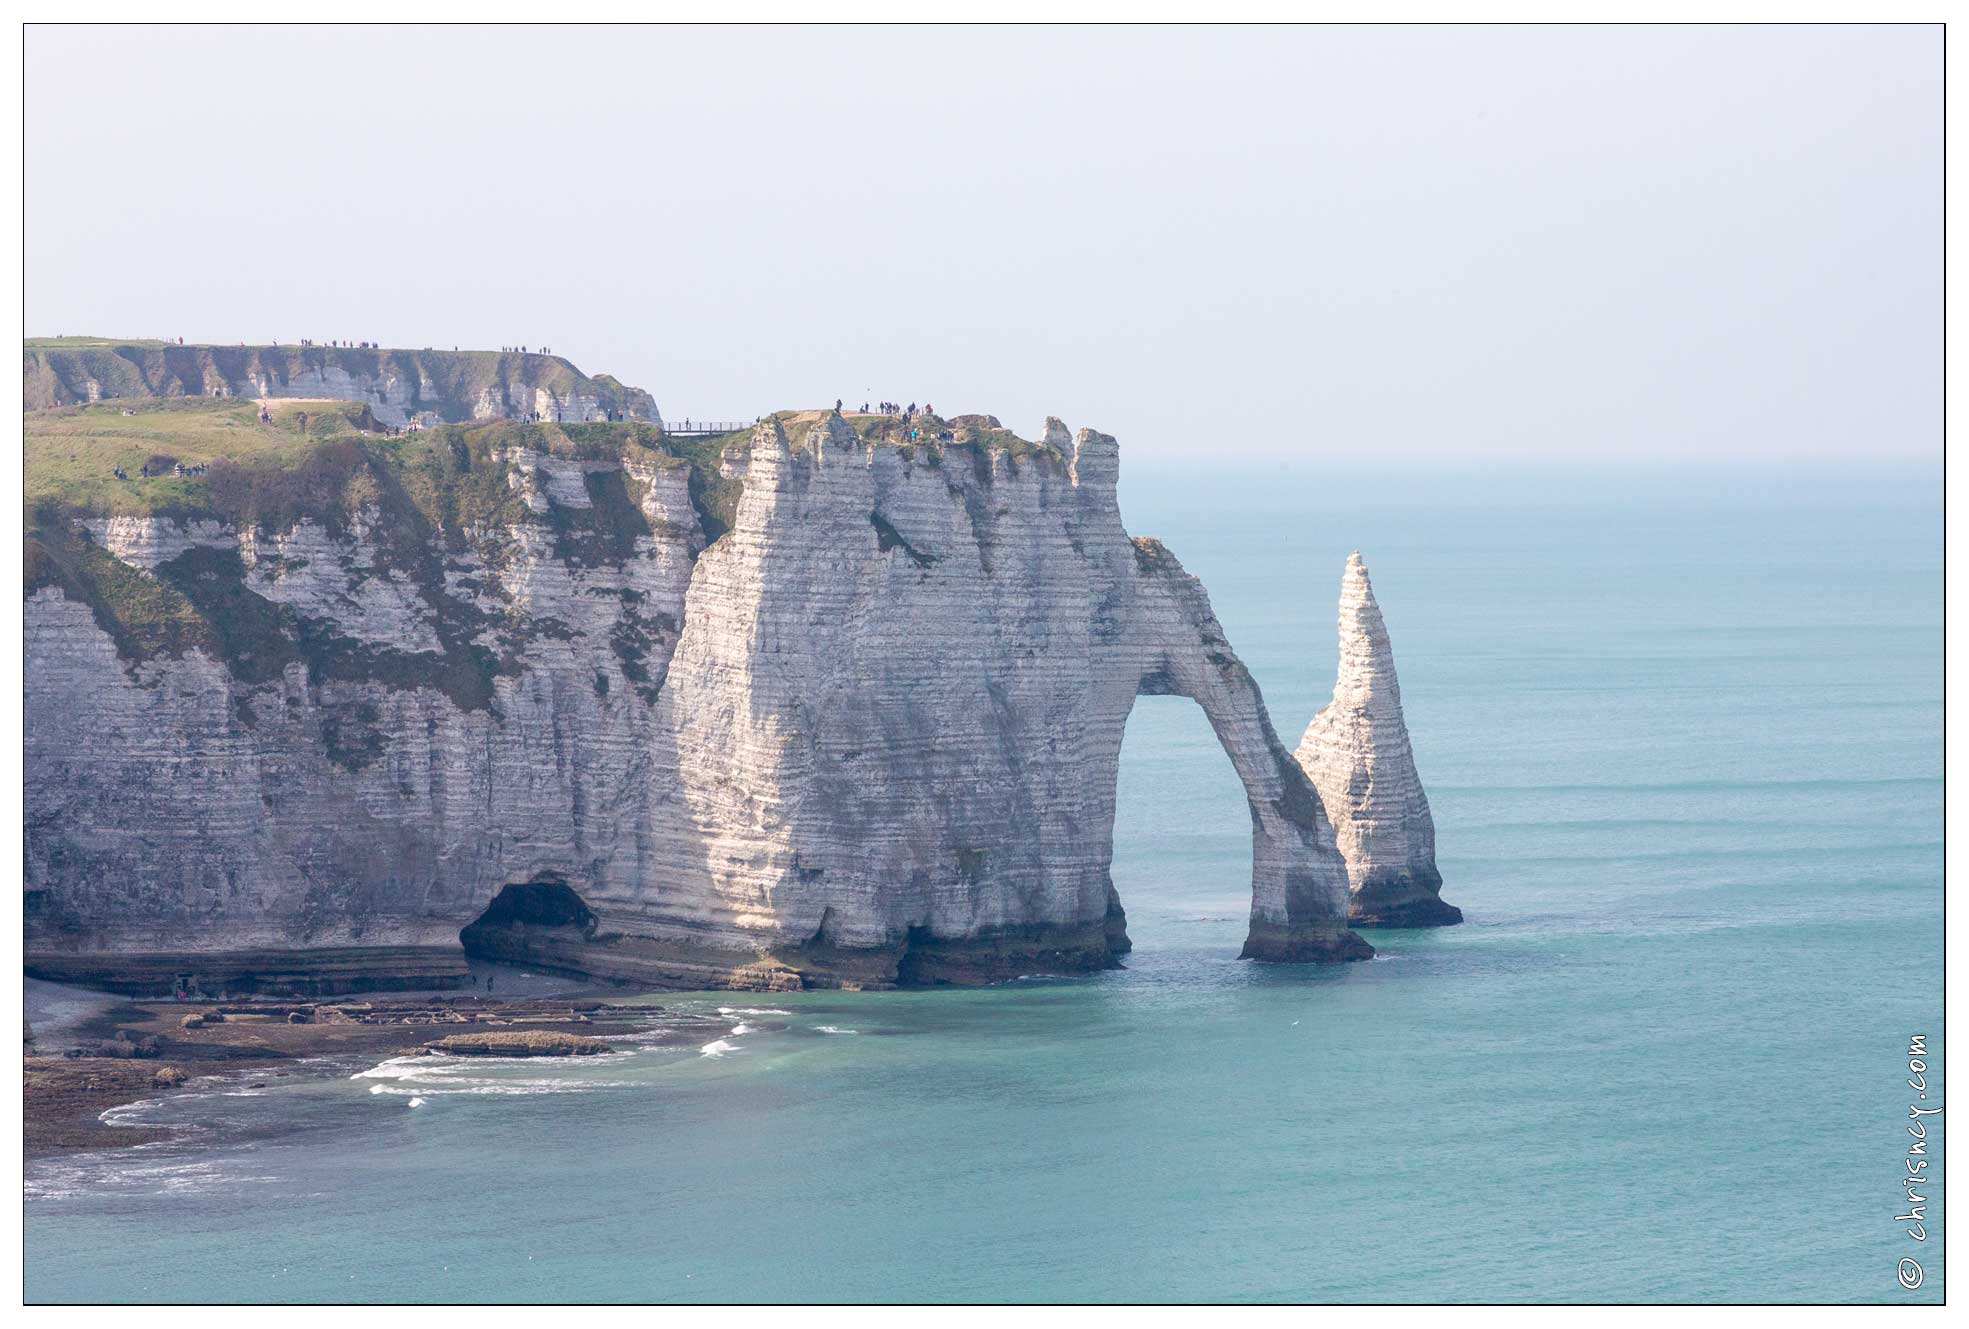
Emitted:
pixel 1298 879
pixel 1182 853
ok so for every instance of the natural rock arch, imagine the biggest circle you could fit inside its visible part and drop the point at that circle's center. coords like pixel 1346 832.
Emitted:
pixel 931 772
pixel 1298 879
pixel 870 734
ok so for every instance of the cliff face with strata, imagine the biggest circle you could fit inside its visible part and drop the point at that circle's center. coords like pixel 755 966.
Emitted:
pixel 397 385
pixel 868 735
pixel 1357 753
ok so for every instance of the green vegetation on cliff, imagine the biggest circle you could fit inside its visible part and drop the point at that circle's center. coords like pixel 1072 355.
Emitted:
pixel 429 491
pixel 91 343
pixel 313 459
pixel 72 452
pixel 426 495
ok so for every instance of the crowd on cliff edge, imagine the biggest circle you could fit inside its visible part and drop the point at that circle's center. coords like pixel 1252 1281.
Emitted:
pixel 908 417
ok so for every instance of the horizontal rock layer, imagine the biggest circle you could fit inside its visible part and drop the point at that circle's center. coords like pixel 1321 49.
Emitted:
pixel 869 736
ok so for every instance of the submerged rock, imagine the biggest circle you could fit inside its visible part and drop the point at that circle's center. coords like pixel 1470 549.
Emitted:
pixel 517 1043
pixel 1357 753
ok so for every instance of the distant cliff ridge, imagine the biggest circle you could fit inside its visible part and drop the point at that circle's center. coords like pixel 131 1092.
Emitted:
pixel 396 384
pixel 813 705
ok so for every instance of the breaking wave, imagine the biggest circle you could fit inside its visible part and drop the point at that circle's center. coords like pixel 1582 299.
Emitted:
pixel 423 1078
pixel 126 1114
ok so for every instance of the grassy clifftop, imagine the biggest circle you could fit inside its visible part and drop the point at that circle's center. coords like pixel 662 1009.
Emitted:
pixel 455 385
pixel 323 462
pixel 72 452
pixel 273 473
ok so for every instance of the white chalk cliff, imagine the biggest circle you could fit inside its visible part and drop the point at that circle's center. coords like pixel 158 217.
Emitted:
pixel 1357 753
pixel 397 385
pixel 867 736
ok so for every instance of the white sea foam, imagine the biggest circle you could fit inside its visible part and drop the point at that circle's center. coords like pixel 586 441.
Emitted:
pixel 415 1102
pixel 496 1088
pixel 830 1029
pixel 719 1048
pixel 645 1040
pixel 91 1176
pixel 124 1113
pixel 751 1010
pixel 741 1028
pixel 428 1077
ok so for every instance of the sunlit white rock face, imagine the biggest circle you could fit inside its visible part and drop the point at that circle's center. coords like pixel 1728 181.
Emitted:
pixel 869 736
pixel 146 543
pixel 1357 753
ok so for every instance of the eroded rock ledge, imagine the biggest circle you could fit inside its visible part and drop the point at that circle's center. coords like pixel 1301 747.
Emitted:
pixel 867 736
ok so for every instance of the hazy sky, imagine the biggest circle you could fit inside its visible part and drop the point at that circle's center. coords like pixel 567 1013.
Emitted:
pixel 1487 242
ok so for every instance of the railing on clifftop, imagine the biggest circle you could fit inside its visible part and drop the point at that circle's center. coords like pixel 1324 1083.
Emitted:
pixel 705 428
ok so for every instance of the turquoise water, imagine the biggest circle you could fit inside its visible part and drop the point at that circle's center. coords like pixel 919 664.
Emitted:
pixel 1685 757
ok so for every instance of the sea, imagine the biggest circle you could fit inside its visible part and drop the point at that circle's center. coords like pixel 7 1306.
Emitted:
pixel 1681 728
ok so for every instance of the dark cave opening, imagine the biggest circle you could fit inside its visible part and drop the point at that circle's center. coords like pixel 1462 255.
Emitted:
pixel 500 933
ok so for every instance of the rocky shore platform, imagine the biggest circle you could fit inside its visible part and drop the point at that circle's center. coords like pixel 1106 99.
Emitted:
pixel 123 1051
